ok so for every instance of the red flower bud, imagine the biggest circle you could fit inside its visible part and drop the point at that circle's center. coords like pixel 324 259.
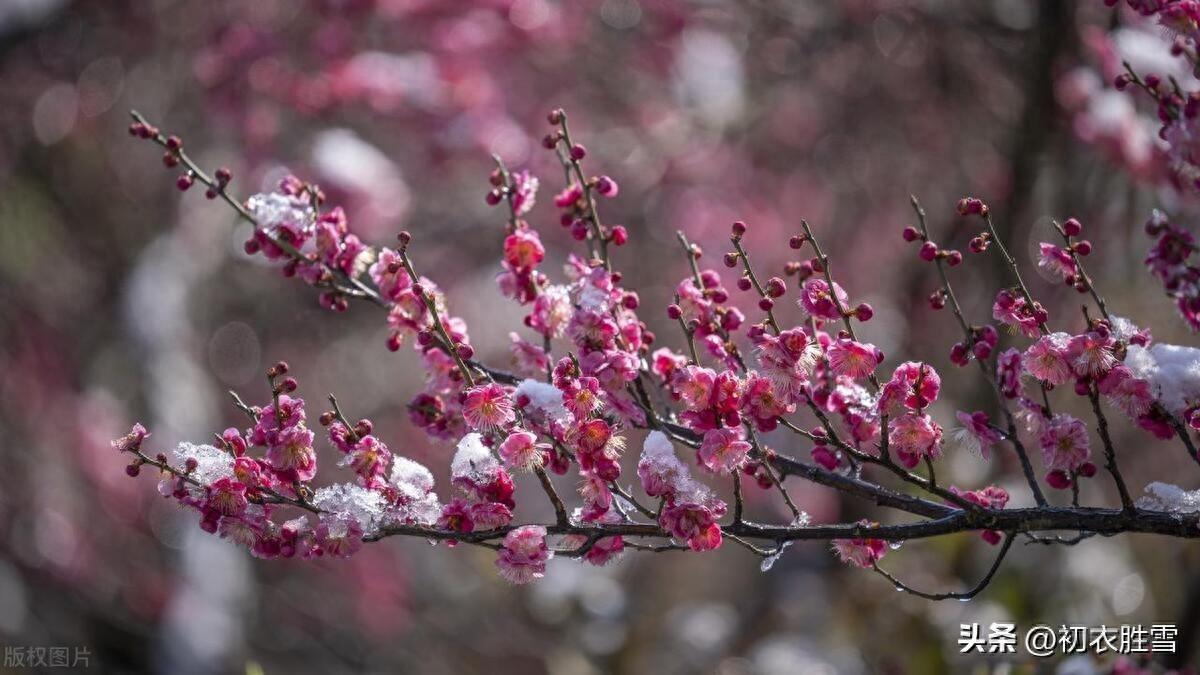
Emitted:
pixel 928 251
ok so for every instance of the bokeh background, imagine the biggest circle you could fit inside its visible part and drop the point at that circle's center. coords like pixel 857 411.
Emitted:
pixel 122 300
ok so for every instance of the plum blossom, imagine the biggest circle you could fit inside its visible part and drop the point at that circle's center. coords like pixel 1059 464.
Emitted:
pixel 1008 373
pixel 522 451
pixel 131 441
pixel 914 385
pixel 1014 311
pixel 691 513
pixel 976 433
pixel 487 407
pixel 1057 261
pixel 523 250
pixel 862 552
pixel 914 437
pixel 1131 394
pixel 990 497
pixel 1047 360
pixel 389 275
pixel 1065 448
pixel 527 358
pixel 1091 354
pixel 817 301
pixel 761 402
pixel 723 450
pixel 524 192
pixel 605 549
pixel 523 556
pixel 786 359
pixel 852 359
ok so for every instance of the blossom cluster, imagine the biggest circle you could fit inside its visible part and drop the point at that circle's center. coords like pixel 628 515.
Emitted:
pixel 745 377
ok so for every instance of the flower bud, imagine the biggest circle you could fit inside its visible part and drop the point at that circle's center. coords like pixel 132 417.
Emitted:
pixel 1072 227
pixel 1058 479
pixel 738 228
pixel 910 233
pixel 982 350
pixel 958 354
pixel 607 187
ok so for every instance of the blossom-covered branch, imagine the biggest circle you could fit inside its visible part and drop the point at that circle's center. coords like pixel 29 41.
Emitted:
pixel 745 398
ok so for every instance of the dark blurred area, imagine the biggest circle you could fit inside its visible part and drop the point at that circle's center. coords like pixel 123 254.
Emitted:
pixel 123 300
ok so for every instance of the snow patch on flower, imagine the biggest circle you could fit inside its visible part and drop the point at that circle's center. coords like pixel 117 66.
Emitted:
pixel 353 502
pixel 1173 372
pixel 473 460
pixel 212 464
pixel 273 211
pixel 544 398
pixel 416 502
